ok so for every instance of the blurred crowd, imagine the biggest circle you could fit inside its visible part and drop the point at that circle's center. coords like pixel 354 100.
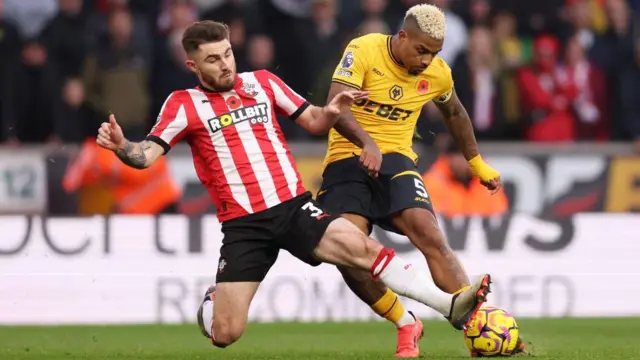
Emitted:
pixel 536 70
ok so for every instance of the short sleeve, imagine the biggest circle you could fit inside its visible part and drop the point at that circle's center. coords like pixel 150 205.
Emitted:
pixel 286 100
pixel 445 84
pixel 353 66
pixel 172 124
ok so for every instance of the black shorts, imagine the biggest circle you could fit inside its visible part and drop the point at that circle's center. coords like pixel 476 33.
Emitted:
pixel 251 243
pixel 348 188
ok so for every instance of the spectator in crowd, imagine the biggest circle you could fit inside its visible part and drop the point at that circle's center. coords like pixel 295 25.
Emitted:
pixel 456 32
pixel 630 99
pixel 30 16
pixel 546 96
pixel 456 192
pixel 74 120
pixel 169 70
pixel 613 52
pixel 534 17
pixel 35 103
pixel 578 22
pixel 476 73
pixel 513 52
pixel 9 48
pixel 372 26
pixel 176 14
pixel 260 53
pixel 224 11
pixel 237 38
pixel 301 41
pixel 475 12
pixel 107 186
pixel 65 38
pixel 590 104
pixel 376 10
pixel 116 77
pixel 322 38
pixel 140 38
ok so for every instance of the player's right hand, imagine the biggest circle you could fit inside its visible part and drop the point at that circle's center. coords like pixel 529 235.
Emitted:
pixel 489 177
pixel 371 159
pixel 110 134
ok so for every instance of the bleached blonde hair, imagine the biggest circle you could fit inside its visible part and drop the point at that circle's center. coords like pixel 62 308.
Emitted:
pixel 430 20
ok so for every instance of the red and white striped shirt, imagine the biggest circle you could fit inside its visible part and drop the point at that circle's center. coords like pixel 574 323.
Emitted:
pixel 239 150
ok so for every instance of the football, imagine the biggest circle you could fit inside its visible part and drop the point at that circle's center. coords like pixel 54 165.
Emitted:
pixel 492 333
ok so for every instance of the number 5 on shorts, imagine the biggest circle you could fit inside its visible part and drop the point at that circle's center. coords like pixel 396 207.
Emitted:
pixel 420 189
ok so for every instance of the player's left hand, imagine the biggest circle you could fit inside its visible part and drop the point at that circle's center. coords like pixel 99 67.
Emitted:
pixel 489 177
pixel 343 101
pixel 371 158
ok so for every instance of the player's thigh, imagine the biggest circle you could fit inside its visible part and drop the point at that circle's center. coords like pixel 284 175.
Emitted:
pixel 421 227
pixel 360 221
pixel 344 244
pixel 231 309
pixel 315 236
pixel 243 264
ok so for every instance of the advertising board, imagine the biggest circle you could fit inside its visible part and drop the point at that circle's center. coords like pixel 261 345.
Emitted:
pixel 143 269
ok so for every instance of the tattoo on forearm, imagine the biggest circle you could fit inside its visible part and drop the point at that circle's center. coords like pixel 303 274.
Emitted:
pixel 459 124
pixel 133 155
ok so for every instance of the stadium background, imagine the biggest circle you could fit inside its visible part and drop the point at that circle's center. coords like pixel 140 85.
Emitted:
pixel 567 151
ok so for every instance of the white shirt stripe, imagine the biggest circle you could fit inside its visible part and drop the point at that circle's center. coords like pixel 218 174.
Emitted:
pixel 175 126
pixel 256 158
pixel 205 113
pixel 287 167
pixel 282 99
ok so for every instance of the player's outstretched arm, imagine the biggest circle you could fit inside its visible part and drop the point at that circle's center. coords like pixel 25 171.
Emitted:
pixel 459 124
pixel 348 126
pixel 319 120
pixel 136 155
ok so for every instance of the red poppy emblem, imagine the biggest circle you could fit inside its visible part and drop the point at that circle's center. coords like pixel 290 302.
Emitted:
pixel 423 87
pixel 233 102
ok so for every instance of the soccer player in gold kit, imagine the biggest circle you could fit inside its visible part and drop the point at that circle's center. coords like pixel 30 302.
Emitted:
pixel 402 73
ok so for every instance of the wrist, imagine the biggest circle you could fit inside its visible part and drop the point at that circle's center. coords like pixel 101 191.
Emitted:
pixel 476 161
pixel 121 145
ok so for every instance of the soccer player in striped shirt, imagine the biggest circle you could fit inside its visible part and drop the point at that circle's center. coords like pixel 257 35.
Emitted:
pixel 241 157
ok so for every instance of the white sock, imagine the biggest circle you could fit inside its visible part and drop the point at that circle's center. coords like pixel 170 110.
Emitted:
pixel 406 319
pixel 403 279
pixel 207 316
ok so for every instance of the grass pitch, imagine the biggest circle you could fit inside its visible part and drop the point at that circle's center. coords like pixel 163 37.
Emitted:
pixel 566 339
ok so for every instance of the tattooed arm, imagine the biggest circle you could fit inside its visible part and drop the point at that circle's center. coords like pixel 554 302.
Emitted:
pixel 457 120
pixel 459 124
pixel 139 155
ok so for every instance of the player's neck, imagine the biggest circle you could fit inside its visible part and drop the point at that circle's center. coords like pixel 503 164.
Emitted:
pixel 393 48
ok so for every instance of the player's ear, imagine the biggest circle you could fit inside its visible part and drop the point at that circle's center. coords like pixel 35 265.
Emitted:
pixel 402 34
pixel 191 65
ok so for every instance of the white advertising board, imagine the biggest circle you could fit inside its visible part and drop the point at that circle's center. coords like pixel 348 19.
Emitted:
pixel 141 269
pixel 23 182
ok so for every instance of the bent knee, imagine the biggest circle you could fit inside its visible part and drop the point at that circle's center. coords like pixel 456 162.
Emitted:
pixel 226 333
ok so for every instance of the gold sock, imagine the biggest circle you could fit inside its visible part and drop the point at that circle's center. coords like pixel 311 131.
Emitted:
pixel 461 290
pixel 389 307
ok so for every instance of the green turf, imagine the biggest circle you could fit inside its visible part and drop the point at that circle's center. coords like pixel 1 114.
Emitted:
pixel 565 339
